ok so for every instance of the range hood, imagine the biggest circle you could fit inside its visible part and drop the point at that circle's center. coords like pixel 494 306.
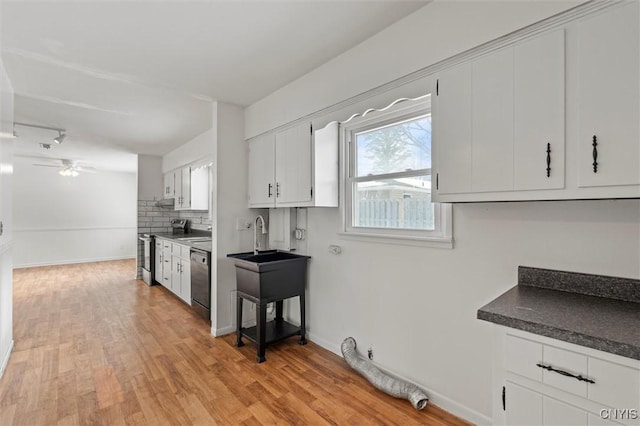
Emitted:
pixel 166 203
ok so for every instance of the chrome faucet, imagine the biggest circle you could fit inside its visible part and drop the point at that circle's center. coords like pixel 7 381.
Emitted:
pixel 256 242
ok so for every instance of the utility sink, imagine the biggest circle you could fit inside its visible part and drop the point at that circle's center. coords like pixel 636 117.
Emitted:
pixel 270 275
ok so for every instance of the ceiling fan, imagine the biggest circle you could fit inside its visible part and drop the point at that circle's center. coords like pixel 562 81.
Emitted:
pixel 69 167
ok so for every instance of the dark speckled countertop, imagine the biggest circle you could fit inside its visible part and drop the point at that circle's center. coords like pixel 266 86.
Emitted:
pixel 589 310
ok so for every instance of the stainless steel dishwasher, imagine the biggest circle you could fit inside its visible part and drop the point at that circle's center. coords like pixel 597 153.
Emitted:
pixel 201 282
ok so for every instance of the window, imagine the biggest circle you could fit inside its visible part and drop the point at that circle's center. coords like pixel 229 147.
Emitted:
pixel 387 175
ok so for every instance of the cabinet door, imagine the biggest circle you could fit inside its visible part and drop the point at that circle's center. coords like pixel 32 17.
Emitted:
pixel 199 183
pixel 539 112
pixel 166 269
pixel 185 188
pixel 177 175
pixel 452 130
pixel 609 97
pixel 523 406
pixel 185 281
pixel 262 171
pixel 176 276
pixel 492 122
pixel 169 185
pixel 293 165
pixel 556 413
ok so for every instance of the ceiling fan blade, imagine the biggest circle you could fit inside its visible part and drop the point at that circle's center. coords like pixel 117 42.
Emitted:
pixel 47 165
pixel 85 169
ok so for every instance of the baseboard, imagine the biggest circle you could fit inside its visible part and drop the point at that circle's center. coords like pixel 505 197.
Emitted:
pixel 71 262
pixel 436 398
pixel 5 359
pixel 232 328
pixel 223 331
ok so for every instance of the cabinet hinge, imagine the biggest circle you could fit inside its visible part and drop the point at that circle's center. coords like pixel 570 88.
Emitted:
pixel 437 180
pixel 437 86
pixel 504 398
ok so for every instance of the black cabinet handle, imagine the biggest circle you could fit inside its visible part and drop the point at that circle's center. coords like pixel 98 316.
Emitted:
pixel 548 160
pixel 278 190
pixel 270 188
pixel 565 373
pixel 595 154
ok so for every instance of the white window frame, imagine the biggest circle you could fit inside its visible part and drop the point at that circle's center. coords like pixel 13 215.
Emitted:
pixel 400 111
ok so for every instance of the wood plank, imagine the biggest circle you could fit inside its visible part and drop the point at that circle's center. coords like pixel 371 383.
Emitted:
pixel 94 346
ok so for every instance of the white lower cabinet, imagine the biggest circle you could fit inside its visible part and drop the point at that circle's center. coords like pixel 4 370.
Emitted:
pixel 173 268
pixel 181 272
pixel 166 264
pixel 543 381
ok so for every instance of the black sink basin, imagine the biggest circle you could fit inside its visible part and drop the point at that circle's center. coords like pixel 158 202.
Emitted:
pixel 267 256
pixel 270 275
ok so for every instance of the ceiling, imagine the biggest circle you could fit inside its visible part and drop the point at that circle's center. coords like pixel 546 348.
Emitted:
pixel 138 77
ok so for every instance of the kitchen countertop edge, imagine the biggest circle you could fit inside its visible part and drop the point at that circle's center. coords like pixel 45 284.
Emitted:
pixel 505 310
pixel 192 244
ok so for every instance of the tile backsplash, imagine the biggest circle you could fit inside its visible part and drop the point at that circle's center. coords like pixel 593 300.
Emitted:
pixel 199 220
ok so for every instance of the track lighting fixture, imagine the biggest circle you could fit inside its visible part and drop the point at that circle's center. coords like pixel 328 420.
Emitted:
pixel 62 133
pixel 60 138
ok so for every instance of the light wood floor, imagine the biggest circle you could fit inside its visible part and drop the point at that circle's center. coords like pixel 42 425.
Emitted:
pixel 93 346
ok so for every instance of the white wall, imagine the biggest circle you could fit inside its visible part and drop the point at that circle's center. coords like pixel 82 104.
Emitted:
pixel 150 178
pixel 229 203
pixel 197 148
pixel 59 220
pixel 433 33
pixel 6 237
pixel 417 306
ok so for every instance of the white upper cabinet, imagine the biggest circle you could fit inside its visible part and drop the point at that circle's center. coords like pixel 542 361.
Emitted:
pixel 262 161
pixel 495 117
pixel 293 166
pixel 188 186
pixel 539 93
pixel 492 122
pixel 199 187
pixel 609 98
pixel 169 185
pixel 296 167
pixel 451 110
pixel 185 188
pixel 550 117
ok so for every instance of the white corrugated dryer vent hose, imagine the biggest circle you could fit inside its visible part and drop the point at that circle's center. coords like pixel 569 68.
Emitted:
pixel 391 385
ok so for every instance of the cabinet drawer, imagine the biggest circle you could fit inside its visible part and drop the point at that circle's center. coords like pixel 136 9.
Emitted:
pixel 522 356
pixel 570 362
pixel 616 385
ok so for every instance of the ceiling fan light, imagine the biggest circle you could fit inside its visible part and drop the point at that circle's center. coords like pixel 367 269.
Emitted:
pixel 68 171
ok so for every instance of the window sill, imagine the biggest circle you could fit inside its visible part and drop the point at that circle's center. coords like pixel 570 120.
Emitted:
pixel 443 242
